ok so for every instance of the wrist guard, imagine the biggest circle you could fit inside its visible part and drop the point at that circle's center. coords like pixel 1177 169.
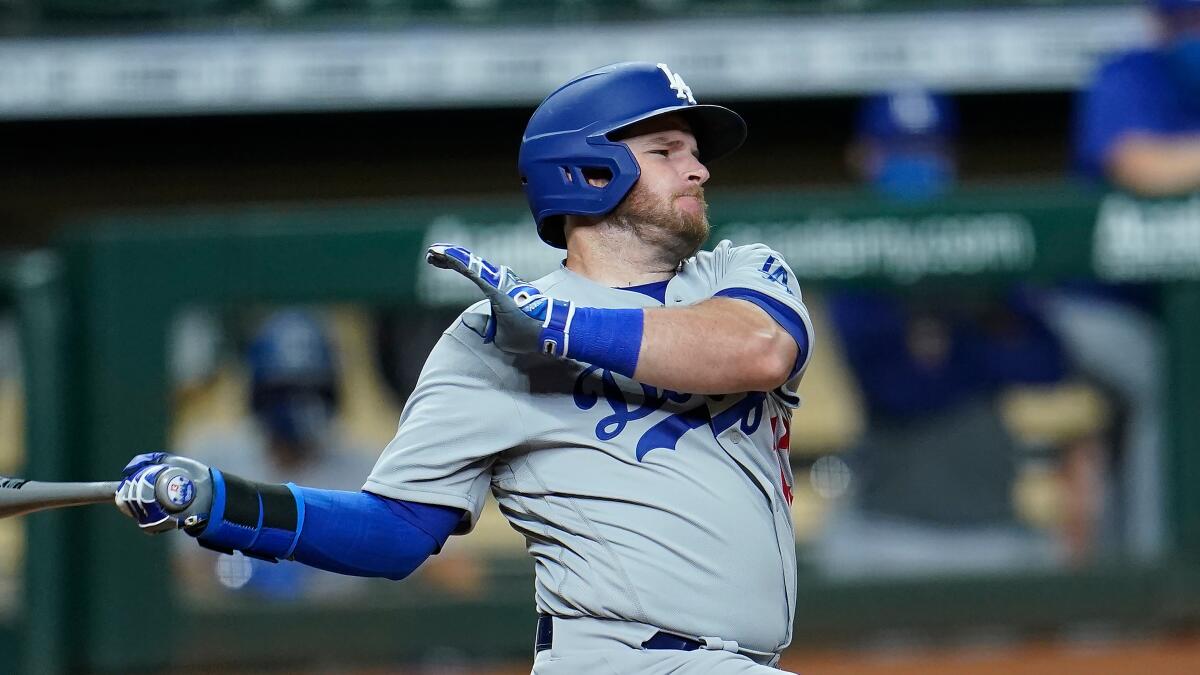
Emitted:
pixel 261 520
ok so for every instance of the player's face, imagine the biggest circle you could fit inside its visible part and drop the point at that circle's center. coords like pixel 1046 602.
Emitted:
pixel 666 206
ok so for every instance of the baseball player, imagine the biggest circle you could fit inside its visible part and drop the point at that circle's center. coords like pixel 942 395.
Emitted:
pixel 629 411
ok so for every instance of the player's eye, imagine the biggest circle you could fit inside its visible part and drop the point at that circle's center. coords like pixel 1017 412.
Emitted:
pixel 664 153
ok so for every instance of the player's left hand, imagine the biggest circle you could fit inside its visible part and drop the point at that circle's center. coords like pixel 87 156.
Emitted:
pixel 164 492
pixel 523 320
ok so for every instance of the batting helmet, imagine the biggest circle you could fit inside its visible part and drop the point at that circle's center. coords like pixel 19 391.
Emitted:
pixel 571 133
pixel 293 377
pixel 291 350
pixel 906 115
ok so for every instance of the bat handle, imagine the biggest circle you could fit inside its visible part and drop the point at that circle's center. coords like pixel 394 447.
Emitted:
pixel 174 489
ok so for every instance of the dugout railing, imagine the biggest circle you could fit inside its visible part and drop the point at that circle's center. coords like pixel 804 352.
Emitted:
pixel 105 601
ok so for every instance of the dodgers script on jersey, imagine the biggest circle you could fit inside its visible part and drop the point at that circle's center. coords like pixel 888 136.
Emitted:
pixel 645 505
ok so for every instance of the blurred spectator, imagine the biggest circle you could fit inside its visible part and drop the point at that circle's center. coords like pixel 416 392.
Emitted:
pixel 935 469
pixel 1138 123
pixel 904 146
pixel 291 435
pixel 1112 341
pixel 1137 128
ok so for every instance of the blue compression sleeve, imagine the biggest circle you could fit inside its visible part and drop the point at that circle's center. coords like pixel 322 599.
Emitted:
pixel 365 535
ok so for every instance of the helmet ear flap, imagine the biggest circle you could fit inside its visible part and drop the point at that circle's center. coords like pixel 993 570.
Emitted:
pixel 585 198
pixel 578 178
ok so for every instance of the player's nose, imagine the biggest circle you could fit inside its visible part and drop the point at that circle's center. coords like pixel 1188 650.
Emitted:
pixel 695 172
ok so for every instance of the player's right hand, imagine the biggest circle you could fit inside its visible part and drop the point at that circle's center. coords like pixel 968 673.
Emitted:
pixel 522 320
pixel 165 492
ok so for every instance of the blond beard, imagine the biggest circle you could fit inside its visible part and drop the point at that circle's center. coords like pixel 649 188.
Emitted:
pixel 678 234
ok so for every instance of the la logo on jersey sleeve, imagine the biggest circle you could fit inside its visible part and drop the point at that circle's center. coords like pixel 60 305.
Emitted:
pixel 774 270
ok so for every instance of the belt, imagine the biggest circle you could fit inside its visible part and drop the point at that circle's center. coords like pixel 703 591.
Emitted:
pixel 660 640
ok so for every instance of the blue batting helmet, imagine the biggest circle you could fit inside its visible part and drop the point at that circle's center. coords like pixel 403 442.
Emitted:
pixel 572 132
pixel 291 349
pixel 293 378
pixel 907 114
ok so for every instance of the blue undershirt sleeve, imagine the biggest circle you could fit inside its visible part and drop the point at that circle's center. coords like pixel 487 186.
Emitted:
pixel 1116 103
pixel 366 535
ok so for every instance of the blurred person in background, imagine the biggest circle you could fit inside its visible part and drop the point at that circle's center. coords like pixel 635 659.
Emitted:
pixel 934 471
pixel 1138 122
pixel 290 434
pixel 1136 128
pixel 904 144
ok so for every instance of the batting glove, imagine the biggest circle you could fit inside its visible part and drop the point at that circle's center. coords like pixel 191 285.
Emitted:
pixel 165 492
pixel 523 320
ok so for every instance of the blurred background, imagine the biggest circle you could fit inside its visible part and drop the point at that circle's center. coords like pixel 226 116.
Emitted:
pixel 212 216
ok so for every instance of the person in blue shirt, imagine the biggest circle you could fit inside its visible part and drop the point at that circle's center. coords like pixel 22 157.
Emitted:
pixel 935 467
pixel 925 355
pixel 1138 123
pixel 1136 129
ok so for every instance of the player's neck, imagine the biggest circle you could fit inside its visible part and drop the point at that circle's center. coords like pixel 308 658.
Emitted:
pixel 616 257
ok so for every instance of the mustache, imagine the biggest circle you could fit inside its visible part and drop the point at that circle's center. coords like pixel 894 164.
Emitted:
pixel 698 193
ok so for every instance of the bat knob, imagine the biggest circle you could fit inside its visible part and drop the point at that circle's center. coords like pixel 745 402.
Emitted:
pixel 175 490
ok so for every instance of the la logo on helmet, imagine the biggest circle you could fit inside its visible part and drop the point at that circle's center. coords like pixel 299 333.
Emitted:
pixel 677 84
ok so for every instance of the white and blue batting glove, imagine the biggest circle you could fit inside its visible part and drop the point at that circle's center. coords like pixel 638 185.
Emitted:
pixel 523 320
pixel 164 492
pixel 223 512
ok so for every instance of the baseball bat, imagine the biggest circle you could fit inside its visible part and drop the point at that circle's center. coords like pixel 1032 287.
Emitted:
pixel 18 497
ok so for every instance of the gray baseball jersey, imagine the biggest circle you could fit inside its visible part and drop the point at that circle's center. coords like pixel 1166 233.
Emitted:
pixel 636 503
